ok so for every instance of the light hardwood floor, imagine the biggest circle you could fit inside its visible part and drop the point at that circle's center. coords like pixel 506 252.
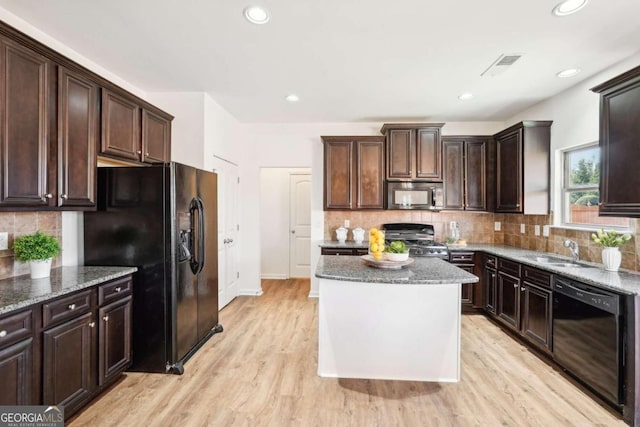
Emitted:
pixel 262 371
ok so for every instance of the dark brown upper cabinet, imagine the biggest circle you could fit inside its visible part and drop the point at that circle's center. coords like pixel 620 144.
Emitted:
pixel 120 127
pixel 414 151
pixel 156 137
pixel 522 168
pixel 78 127
pixel 620 145
pixel 353 172
pixel 464 161
pixel 25 95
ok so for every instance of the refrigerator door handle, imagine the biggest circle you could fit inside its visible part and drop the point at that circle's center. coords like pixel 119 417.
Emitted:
pixel 201 234
pixel 194 263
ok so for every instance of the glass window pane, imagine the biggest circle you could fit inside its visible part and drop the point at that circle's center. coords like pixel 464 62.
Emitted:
pixel 582 209
pixel 584 166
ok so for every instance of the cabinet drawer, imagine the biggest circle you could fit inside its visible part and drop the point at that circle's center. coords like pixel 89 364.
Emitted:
pixel 114 290
pixel 337 251
pixel 15 327
pixel 65 308
pixel 361 251
pixel 491 262
pixel 509 267
pixel 536 276
pixel 461 257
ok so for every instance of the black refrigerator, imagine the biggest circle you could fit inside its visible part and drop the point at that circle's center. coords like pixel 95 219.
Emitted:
pixel 163 220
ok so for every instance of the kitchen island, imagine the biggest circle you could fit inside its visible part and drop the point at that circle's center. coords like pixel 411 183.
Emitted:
pixel 389 324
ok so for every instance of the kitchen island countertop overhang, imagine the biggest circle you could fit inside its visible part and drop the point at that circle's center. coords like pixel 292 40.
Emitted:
pixel 390 324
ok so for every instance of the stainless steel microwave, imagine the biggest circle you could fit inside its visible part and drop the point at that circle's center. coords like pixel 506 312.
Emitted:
pixel 415 195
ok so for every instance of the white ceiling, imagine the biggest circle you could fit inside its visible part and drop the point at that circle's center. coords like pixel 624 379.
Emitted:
pixel 348 60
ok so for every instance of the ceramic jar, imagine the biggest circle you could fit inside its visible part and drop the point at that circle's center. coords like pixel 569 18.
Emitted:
pixel 358 235
pixel 341 234
pixel 611 258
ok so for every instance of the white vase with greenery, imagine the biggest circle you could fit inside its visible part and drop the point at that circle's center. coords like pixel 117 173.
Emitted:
pixel 610 242
pixel 38 250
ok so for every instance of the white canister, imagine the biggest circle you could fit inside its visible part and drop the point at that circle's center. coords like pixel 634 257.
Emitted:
pixel 341 234
pixel 358 235
pixel 611 258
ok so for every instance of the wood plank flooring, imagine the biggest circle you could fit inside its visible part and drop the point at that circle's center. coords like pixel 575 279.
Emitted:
pixel 261 371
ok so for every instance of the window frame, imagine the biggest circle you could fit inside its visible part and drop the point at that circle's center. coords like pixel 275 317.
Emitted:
pixel 566 189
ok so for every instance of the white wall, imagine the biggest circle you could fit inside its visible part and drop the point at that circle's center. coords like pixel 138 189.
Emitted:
pixel 299 145
pixel 275 221
pixel 224 136
pixel 576 117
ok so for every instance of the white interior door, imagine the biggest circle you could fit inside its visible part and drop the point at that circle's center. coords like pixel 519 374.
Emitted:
pixel 299 225
pixel 228 231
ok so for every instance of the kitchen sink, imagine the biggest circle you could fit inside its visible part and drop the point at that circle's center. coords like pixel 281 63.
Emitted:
pixel 555 261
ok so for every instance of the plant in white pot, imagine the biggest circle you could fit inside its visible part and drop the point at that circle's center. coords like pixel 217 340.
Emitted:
pixel 610 242
pixel 38 250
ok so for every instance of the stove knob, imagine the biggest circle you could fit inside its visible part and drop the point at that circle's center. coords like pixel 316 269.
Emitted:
pixel 431 251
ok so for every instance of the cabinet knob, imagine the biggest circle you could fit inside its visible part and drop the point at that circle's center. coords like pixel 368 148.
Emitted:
pixel 71 306
pixel 64 196
pixel 106 318
pixel 118 289
pixel 92 324
pixel 139 151
pixel 600 203
pixel 517 205
pixel 515 285
pixel 48 196
pixel 522 288
pixel 146 154
pixel 3 334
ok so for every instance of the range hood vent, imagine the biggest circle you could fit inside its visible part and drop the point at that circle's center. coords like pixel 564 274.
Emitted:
pixel 501 64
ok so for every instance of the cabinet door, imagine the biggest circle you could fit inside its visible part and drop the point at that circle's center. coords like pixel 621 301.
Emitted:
pixel 156 138
pixel 620 151
pixel 467 288
pixel 453 160
pixel 369 174
pixel 400 154
pixel 114 344
pixel 536 315
pixel 68 371
pixel 77 139
pixel 16 371
pixel 338 184
pixel 509 172
pixel 428 154
pixel 490 280
pixel 120 127
pixel 24 132
pixel 508 304
pixel 475 175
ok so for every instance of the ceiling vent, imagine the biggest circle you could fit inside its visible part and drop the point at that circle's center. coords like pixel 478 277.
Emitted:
pixel 501 64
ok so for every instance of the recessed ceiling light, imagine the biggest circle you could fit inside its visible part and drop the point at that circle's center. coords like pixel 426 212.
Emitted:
pixel 465 96
pixel 569 72
pixel 568 7
pixel 256 15
pixel 292 98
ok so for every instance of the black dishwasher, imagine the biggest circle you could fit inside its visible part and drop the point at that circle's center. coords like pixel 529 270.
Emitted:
pixel 587 336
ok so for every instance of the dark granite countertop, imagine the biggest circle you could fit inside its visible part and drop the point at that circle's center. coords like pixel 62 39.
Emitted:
pixel 349 244
pixel 424 271
pixel 22 291
pixel 623 281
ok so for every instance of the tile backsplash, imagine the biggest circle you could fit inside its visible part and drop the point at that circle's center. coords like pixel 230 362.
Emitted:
pixel 21 223
pixel 478 227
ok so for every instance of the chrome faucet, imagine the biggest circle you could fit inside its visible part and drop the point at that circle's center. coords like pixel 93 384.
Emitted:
pixel 573 247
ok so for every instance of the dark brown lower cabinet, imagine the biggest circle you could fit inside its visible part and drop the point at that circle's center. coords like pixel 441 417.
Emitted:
pixel 114 354
pixel 491 292
pixel 68 374
pixel 508 304
pixel 344 251
pixel 536 314
pixel 467 294
pixel 16 372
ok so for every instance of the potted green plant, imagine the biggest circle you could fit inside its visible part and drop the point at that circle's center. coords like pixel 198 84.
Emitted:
pixel 610 242
pixel 38 250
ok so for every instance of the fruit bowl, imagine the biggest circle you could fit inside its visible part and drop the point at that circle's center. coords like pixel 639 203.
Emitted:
pixel 389 256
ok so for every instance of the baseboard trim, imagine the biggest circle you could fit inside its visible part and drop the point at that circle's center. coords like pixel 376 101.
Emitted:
pixel 274 276
pixel 250 292
pixel 314 294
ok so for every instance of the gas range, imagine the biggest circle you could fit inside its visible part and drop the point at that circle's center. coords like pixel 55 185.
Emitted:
pixel 419 238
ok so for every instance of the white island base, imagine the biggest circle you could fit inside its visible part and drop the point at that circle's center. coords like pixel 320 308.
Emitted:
pixel 389 331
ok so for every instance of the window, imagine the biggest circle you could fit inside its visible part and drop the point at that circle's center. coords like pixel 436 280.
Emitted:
pixel 580 191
